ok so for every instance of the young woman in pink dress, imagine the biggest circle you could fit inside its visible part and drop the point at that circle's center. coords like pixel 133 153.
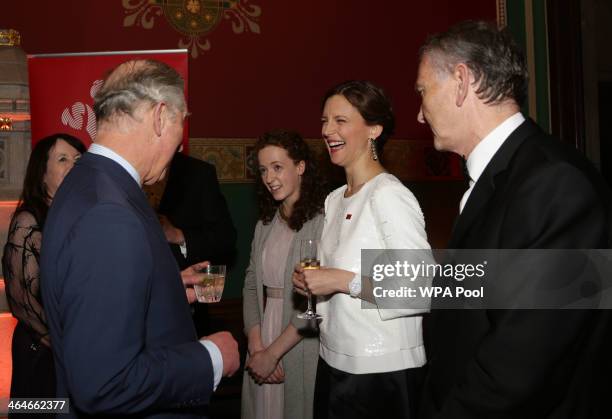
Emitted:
pixel 282 349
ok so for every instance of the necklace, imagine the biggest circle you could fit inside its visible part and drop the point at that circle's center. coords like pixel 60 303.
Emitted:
pixel 354 190
pixel 358 187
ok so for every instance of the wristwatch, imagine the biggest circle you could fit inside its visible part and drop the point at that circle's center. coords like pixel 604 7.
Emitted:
pixel 355 287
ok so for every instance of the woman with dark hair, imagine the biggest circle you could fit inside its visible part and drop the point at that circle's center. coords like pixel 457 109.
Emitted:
pixel 33 371
pixel 282 348
pixel 370 361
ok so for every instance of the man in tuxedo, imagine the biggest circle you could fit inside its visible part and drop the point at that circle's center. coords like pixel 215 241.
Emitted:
pixel 196 221
pixel 527 191
pixel 194 214
pixel 120 324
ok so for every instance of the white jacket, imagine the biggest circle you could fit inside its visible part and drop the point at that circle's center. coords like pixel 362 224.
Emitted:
pixel 384 214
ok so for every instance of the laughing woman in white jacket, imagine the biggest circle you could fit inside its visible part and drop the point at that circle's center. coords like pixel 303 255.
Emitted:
pixel 371 360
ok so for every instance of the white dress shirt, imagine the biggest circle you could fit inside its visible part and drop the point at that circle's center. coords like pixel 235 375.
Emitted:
pixel 213 350
pixel 484 151
pixel 107 152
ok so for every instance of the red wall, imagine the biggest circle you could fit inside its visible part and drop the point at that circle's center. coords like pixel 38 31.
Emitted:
pixel 248 83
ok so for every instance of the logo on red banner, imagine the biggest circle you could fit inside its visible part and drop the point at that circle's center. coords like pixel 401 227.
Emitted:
pixel 73 116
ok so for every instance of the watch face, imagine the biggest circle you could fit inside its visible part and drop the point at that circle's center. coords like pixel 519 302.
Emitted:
pixel 355 287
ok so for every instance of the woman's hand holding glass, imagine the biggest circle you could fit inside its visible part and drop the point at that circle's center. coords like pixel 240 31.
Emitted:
pixel 323 281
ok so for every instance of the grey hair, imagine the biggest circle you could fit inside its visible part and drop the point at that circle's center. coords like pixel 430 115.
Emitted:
pixel 136 82
pixel 495 60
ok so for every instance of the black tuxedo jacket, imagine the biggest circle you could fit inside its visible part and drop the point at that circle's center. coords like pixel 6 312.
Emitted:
pixel 193 202
pixel 536 193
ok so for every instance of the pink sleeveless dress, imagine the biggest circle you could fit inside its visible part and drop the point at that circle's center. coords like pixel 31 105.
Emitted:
pixel 269 397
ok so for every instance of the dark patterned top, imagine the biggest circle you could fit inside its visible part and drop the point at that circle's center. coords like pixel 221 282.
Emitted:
pixel 21 273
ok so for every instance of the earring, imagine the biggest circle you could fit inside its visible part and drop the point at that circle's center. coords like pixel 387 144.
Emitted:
pixel 373 149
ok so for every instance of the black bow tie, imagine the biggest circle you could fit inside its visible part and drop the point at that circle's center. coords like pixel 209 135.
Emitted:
pixel 464 168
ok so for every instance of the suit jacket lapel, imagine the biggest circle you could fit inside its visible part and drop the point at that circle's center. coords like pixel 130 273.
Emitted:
pixel 486 185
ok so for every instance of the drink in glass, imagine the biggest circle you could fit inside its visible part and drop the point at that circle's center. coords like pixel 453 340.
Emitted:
pixel 309 259
pixel 210 288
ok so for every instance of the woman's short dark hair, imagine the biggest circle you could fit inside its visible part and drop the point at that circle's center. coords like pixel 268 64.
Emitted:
pixel 34 196
pixel 373 105
pixel 312 189
pixel 495 60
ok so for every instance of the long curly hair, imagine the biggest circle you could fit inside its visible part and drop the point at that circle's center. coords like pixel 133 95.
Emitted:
pixel 313 188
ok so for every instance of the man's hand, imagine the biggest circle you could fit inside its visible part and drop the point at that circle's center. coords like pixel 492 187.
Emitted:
pixel 190 276
pixel 229 351
pixel 173 234
pixel 46 340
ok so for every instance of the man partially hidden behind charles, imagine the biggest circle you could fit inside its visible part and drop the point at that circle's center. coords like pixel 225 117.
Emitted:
pixel 527 191
pixel 121 329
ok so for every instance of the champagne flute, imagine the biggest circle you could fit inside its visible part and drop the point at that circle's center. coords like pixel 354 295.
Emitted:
pixel 309 260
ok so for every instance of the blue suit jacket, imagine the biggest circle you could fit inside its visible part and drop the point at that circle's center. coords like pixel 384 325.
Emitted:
pixel 120 324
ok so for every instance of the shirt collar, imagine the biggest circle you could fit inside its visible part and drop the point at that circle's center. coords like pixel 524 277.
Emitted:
pixel 107 152
pixel 484 151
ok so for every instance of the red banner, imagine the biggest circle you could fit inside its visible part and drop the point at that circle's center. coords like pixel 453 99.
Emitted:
pixel 62 87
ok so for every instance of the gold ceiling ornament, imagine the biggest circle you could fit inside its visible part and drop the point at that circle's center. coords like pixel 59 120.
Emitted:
pixel 10 37
pixel 194 19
